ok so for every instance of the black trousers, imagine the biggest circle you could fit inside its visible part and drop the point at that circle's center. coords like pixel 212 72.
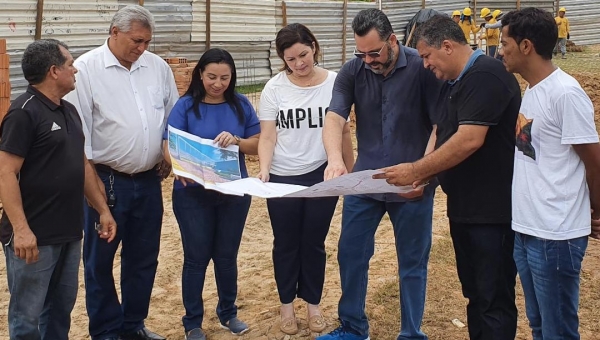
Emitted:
pixel 300 226
pixel 487 272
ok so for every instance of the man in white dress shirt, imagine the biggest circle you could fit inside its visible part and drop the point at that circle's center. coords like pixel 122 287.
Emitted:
pixel 124 95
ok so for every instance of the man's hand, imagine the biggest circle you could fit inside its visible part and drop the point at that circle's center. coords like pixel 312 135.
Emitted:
pixel 482 25
pixel 568 36
pixel 163 169
pixel 595 226
pixel 107 228
pixel 25 245
pixel 419 188
pixel 334 169
pixel 398 175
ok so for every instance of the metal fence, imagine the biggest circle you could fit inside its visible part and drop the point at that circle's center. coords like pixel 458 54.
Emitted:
pixel 246 28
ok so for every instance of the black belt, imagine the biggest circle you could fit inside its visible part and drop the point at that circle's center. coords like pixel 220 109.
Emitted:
pixel 106 168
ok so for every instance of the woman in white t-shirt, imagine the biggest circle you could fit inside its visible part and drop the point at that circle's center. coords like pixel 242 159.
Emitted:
pixel 292 110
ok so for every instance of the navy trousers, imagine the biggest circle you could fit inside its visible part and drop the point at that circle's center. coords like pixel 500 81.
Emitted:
pixel 138 212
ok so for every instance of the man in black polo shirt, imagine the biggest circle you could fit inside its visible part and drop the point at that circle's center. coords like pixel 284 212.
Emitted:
pixel 474 162
pixel 43 177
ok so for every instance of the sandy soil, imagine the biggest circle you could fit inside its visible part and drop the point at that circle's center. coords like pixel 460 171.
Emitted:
pixel 258 300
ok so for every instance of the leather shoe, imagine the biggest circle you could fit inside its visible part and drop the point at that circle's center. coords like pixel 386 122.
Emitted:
pixel 142 334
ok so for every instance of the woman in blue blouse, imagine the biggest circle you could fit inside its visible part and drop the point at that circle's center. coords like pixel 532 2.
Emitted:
pixel 211 223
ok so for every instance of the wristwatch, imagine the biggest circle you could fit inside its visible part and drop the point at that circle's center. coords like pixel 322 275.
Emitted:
pixel 237 139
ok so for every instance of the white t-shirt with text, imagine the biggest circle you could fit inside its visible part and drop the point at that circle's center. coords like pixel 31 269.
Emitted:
pixel 550 196
pixel 299 113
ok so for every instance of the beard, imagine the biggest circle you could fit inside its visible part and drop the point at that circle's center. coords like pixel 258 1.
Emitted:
pixel 386 65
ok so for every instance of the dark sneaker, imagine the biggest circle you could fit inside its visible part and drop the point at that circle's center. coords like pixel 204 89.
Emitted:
pixel 195 334
pixel 342 334
pixel 235 326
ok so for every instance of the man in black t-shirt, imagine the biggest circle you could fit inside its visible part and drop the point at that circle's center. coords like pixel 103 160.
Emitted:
pixel 43 177
pixel 474 163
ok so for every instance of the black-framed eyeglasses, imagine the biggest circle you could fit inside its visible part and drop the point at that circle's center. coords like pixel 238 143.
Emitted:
pixel 363 55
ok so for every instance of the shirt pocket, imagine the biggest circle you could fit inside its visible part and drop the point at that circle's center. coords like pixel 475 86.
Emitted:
pixel 156 96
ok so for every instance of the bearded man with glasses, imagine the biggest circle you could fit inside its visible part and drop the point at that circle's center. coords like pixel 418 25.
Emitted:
pixel 395 102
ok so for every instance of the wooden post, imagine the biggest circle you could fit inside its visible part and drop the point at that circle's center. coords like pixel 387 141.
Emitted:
pixel 141 2
pixel 518 4
pixel 557 7
pixel 423 4
pixel 207 25
pixel 38 19
pixel 474 21
pixel 344 23
pixel 284 13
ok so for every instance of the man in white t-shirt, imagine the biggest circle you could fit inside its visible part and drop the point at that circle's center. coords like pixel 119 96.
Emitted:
pixel 556 176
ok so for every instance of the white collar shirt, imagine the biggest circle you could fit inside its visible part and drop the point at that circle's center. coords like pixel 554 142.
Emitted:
pixel 123 111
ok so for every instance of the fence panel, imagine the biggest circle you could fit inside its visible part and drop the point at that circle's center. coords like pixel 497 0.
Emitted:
pixel 584 19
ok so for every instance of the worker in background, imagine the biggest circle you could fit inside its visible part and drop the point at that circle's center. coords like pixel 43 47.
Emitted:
pixel 563 33
pixel 467 24
pixel 491 35
pixel 456 16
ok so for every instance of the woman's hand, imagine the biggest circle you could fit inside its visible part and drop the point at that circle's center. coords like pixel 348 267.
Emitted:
pixel 263 175
pixel 184 181
pixel 225 139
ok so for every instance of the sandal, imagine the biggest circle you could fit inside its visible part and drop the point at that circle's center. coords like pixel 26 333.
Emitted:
pixel 316 323
pixel 289 325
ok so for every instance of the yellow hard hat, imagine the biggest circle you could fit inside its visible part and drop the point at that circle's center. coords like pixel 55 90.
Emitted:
pixel 455 13
pixel 467 12
pixel 485 12
pixel 496 13
pixel 562 9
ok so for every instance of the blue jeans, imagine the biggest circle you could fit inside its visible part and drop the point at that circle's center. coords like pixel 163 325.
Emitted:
pixel 412 230
pixel 138 212
pixel 549 272
pixel 211 225
pixel 492 51
pixel 561 44
pixel 42 294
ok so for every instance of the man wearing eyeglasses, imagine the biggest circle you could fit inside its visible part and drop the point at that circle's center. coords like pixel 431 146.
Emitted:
pixel 394 100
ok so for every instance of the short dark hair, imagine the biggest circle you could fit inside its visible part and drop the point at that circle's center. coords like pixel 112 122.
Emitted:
pixel 39 56
pixel 291 35
pixel 197 91
pixel 439 28
pixel 369 19
pixel 535 25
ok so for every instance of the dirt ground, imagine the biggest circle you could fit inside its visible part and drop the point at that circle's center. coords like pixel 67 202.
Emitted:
pixel 258 301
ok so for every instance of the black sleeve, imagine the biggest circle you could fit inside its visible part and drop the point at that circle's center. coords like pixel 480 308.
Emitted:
pixel 17 133
pixel 483 98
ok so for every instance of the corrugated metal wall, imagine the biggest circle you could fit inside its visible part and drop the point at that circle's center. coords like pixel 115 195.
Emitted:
pixel 400 13
pixel 18 28
pixel 172 35
pixel 325 20
pixel 584 18
pixel 246 28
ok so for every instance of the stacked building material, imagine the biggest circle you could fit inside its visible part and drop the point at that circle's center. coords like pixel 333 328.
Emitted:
pixel 4 79
pixel 182 71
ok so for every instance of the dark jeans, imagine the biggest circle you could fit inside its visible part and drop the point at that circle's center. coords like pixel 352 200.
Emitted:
pixel 211 225
pixel 42 294
pixel 300 226
pixel 487 272
pixel 550 274
pixel 492 51
pixel 138 213
pixel 411 221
